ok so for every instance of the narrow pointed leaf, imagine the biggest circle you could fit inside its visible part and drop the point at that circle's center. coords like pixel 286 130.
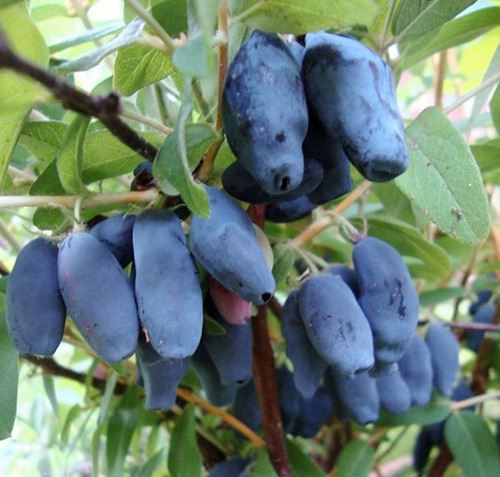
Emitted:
pixel 8 381
pixel 70 157
pixel 356 459
pixel 184 458
pixel 472 444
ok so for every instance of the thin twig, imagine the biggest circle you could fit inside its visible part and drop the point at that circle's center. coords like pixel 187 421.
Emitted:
pixel 326 221
pixel 473 92
pixel 4 230
pixel 387 24
pixel 141 12
pixel 56 201
pixel 231 420
pixel 206 167
pixel 474 400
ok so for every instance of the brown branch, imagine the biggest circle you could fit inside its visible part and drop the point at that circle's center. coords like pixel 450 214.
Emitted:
pixel 206 167
pixel 275 307
pixel 265 378
pixel 474 326
pixel 50 366
pixel 105 108
pixel 441 463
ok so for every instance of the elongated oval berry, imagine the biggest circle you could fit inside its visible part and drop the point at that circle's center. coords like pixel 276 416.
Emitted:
pixel 34 310
pixel 289 210
pixel 387 297
pixel 226 246
pixel 241 184
pixel 116 233
pixel 98 296
pixel 415 368
pixel 336 324
pixel 357 397
pixel 264 112
pixel 218 394
pixel 444 348
pixel 161 377
pixel 316 411
pixel 232 351
pixel 167 284
pixel 351 90
pixel 348 275
pixel 308 365
pixel 246 406
pixel 393 393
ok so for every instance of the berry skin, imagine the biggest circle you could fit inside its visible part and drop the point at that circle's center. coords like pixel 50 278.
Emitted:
pixel 225 244
pixel 167 284
pixel 35 310
pixel 351 91
pixel 335 324
pixel 98 296
pixel 387 297
pixel 266 140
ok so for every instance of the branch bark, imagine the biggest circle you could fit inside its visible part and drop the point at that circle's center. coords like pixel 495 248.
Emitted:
pixel 105 108
pixel 265 378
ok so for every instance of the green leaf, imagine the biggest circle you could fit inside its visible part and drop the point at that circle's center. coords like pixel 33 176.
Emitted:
pixel 437 410
pixel 152 464
pixel 73 413
pixel 137 66
pixel 413 19
pixel 433 297
pixel 487 159
pixel 105 156
pixel 263 466
pixel 86 37
pixel 17 92
pixel 211 326
pixel 50 390
pixel 70 157
pixel 302 16
pixel 456 32
pixel 45 12
pixel 472 444
pixel 443 179
pixel 184 458
pixel 172 166
pixel 283 262
pixel 394 201
pixel 356 459
pixel 192 58
pixel 11 125
pixel 170 14
pixel 43 138
pixel 495 108
pixel 481 98
pixel 127 36
pixel 409 242
pixel 8 380
pixel 121 427
pixel 301 464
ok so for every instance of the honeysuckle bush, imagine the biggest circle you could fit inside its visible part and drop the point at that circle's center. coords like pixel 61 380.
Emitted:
pixel 151 74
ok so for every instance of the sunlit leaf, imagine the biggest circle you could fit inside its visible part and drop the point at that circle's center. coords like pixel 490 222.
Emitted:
pixel 302 16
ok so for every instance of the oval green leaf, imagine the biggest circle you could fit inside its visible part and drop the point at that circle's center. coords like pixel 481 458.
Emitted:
pixel 443 179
